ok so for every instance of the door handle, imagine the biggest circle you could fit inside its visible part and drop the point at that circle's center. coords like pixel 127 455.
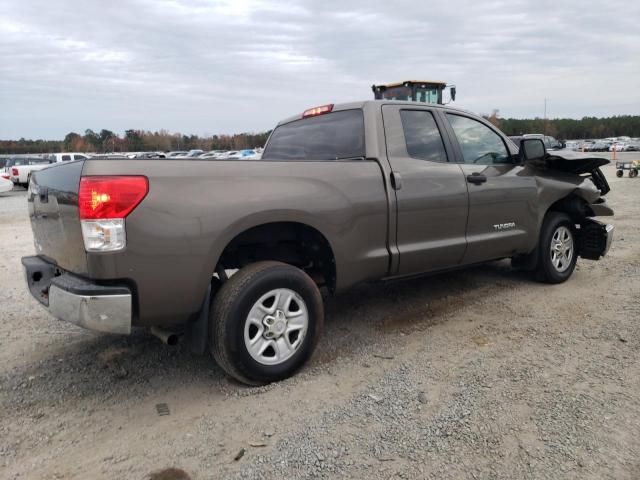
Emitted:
pixel 396 181
pixel 476 178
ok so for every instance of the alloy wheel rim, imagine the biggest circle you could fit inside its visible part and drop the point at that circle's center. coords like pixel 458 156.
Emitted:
pixel 561 249
pixel 276 326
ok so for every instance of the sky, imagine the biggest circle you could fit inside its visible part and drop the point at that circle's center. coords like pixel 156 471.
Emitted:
pixel 205 67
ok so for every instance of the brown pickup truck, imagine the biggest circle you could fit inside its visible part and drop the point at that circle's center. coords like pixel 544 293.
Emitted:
pixel 232 254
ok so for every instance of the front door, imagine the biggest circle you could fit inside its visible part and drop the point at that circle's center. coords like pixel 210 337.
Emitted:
pixel 431 192
pixel 502 199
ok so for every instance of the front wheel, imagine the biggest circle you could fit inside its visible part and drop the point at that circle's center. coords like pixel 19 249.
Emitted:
pixel 557 254
pixel 265 322
pixel 619 173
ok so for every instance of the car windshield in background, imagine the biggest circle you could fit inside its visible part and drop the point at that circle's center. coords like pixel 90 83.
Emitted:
pixel 332 136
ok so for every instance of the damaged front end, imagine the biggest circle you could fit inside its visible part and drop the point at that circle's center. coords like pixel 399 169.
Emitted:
pixel 573 183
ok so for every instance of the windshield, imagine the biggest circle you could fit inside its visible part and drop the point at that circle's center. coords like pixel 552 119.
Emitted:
pixel 397 93
pixel 332 136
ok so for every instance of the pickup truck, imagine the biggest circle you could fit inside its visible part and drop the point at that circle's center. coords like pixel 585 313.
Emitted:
pixel 232 254
pixel 19 169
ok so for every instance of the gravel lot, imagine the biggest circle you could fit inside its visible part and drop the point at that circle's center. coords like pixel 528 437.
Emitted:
pixel 479 374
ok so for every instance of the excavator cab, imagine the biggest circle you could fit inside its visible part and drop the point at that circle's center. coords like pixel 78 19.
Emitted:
pixel 414 90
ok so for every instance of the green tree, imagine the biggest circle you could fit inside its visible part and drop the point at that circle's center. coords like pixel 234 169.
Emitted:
pixel 70 139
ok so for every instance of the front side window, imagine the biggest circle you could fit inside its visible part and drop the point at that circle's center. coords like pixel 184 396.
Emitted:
pixel 332 136
pixel 480 145
pixel 422 136
pixel 79 157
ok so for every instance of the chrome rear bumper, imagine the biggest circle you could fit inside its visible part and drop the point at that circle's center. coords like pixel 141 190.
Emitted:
pixel 103 313
pixel 103 308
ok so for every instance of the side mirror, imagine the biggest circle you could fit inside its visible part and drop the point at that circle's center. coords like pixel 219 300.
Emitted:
pixel 453 93
pixel 532 149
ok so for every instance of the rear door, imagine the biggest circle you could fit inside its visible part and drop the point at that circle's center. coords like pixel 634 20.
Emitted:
pixel 431 192
pixel 502 197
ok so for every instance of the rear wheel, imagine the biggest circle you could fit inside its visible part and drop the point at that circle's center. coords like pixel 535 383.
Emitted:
pixel 557 254
pixel 265 322
pixel 633 173
pixel 619 173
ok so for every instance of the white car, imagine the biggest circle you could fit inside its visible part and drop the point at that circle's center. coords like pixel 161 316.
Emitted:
pixel 232 154
pixel 213 154
pixel 6 185
pixel 618 147
pixel 65 157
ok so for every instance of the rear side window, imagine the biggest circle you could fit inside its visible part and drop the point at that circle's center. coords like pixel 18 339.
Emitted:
pixel 332 136
pixel 66 157
pixel 422 136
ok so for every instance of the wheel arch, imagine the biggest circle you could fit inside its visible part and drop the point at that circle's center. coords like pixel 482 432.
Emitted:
pixel 290 238
pixel 574 205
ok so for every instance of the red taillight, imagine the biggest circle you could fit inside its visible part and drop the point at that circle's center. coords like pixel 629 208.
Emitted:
pixel 110 197
pixel 312 112
pixel 6 177
pixel 14 172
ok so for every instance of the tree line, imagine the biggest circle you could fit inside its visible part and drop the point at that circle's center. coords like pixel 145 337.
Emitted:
pixel 106 141
pixel 570 128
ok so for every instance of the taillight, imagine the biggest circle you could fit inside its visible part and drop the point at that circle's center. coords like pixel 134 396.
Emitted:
pixel 312 112
pixel 110 197
pixel 14 172
pixel 6 177
pixel 104 202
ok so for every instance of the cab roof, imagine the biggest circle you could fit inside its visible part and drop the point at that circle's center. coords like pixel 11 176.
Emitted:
pixel 400 84
pixel 362 104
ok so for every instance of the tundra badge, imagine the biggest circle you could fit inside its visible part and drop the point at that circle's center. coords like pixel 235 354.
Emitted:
pixel 504 226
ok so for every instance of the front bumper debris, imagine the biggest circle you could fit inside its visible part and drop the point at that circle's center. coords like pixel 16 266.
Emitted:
pixel 595 239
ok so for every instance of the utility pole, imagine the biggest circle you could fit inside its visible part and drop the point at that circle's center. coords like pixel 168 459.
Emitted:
pixel 544 125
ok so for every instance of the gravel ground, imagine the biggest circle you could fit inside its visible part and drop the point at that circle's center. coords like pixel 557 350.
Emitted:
pixel 479 374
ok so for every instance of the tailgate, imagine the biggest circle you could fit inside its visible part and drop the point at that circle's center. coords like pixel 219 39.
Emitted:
pixel 55 219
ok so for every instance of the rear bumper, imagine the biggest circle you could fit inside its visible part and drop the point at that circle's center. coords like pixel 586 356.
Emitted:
pixel 77 300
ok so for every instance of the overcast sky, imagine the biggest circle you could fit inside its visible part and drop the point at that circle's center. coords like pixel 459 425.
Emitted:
pixel 205 67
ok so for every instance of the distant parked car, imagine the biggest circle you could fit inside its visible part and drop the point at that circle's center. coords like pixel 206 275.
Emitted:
pixel 618 147
pixel 585 145
pixel 181 153
pixel 213 154
pixel 194 153
pixel 598 146
pixel 65 157
pixel 232 154
pixel 549 142
pixel 5 184
pixel 515 139
pixel 150 155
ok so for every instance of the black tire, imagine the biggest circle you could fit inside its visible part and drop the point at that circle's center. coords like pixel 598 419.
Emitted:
pixel 546 271
pixel 633 173
pixel 619 173
pixel 231 307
